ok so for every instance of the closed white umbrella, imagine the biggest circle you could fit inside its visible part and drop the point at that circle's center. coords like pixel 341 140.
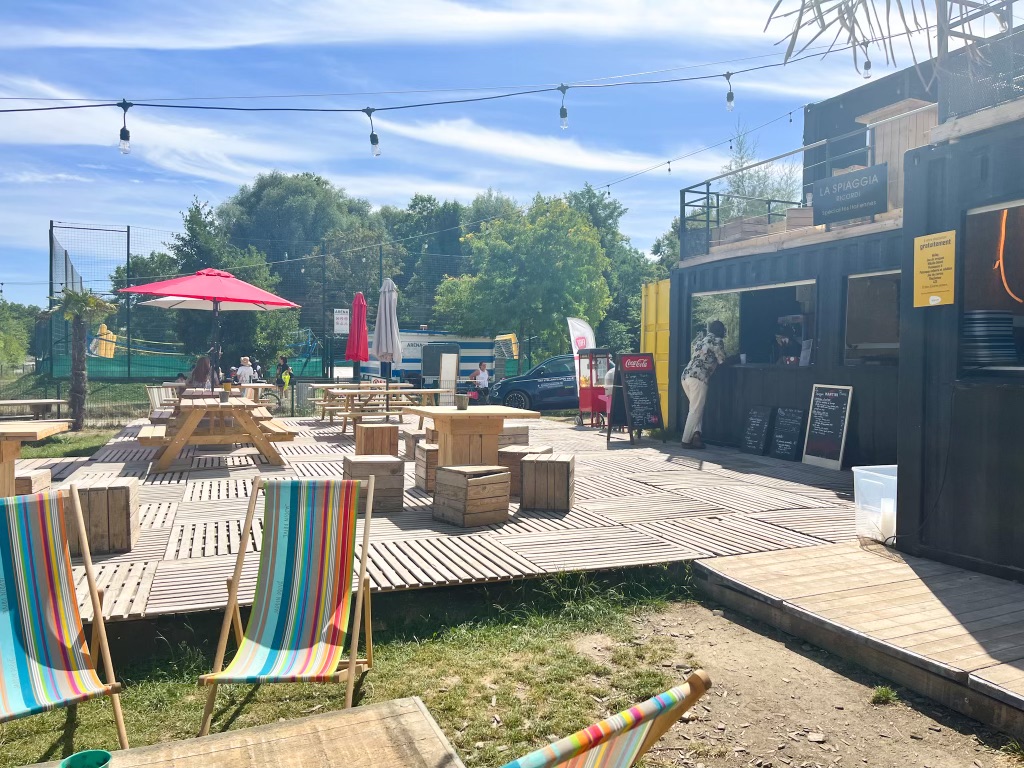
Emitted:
pixel 387 346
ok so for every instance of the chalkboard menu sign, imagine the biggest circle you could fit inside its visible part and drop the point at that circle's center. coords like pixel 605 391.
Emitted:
pixel 636 402
pixel 826 428
pixel 788 435
pixel 756 429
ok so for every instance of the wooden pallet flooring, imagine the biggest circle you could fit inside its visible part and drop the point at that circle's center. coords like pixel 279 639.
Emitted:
pixel 635 505
pixel 947 629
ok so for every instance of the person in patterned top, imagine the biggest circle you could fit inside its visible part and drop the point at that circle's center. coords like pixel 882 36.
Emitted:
pixel 708 354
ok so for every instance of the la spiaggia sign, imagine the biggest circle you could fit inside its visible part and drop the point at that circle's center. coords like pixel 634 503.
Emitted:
pixel 851 195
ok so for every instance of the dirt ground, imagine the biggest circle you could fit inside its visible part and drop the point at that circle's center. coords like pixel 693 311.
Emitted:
pixel 778 702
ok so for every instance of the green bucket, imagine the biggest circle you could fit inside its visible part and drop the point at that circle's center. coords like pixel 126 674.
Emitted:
pixel 90 758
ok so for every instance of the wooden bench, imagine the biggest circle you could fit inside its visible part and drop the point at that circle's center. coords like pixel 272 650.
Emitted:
pixel 40 407
pixel 262 414
pixel 377 439
pixel 426 466
pixel 548 482
pixel 274 431
pixel 389 482
pixel 511 456
pixel 30 481
pixel 153 435
pixel 471 496
pixel 161 415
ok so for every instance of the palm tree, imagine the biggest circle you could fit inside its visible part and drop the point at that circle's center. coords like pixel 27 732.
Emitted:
pixel 80 308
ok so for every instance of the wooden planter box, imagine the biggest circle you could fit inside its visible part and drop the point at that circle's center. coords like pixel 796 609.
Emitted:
pixel 549 482
pixel 31 481
pixel 518 434
pixel 471 496
pixel 511 457
pixel 376 439
pixel 111 512
pixel 426 466
pixel 389 484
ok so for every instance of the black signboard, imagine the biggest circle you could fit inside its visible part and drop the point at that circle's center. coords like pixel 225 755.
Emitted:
pixel 636 402
pixel 826 428
pixel 756 429
pixel 788 435
pixel 851 195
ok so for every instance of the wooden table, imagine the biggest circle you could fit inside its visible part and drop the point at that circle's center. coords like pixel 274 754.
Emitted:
pixel 12 435
pixel 469 437
pixel 228 423
pixel 392 734
pixel 39 407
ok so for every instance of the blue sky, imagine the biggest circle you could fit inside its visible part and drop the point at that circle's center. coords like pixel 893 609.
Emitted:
pixel 66 166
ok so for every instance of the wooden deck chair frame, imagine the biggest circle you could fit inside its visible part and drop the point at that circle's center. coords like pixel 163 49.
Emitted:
pixel 361 614
pixel 99 630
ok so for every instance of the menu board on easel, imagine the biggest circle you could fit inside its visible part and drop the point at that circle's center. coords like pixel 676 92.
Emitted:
pixel 636 401
pixel 826 425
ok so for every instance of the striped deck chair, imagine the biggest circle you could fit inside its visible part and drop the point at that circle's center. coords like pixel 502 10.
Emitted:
pixel 619 741
pixel 303 601
pixel 44 659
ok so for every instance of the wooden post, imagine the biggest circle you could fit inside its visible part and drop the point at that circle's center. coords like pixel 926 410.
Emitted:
pixel 363 590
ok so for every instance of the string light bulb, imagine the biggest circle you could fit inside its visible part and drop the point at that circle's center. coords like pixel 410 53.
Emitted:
pixel 670 166
pixel 374 139
pixel 730 97
pixel 563 113
pixel 125 143
pixel 866 69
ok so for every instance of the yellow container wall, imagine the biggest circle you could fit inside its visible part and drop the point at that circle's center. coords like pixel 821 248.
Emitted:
pixel 654 321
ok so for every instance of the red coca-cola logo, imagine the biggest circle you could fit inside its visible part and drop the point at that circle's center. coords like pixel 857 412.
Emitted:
pixel 636 363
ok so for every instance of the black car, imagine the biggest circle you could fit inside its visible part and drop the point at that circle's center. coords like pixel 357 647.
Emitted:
pixel 550 386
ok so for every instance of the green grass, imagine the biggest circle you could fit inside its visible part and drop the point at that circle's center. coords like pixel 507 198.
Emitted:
pixel 883 695
pixel 1013 749
pixel 84 443
pixel 498 685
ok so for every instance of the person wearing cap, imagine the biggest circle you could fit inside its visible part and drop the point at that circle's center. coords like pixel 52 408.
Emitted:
pixel 708 353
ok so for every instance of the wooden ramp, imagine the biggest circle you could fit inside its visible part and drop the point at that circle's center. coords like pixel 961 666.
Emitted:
pixel 957 636
pixel 635 505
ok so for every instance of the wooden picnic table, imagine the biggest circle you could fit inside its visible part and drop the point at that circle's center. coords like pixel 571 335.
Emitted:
pixel 469 437
pixel 397 734
pixel 40 407
pixel 12 435
pixel 226 423
pixel 353 404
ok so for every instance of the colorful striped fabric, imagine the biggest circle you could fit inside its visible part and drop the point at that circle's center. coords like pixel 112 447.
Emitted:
pixel 615 742
pixel 44 660
pixel 296 631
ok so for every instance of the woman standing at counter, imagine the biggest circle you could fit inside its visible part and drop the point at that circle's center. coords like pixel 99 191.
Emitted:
pixel 708 354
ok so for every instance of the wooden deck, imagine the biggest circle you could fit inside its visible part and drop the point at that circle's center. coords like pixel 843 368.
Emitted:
pixel 635 505
pixel 954 635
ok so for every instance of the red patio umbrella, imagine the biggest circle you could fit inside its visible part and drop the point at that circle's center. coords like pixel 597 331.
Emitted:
pixel 358 350
pixel 211 289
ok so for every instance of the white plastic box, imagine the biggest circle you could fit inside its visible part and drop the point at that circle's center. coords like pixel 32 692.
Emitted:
pixel 874 493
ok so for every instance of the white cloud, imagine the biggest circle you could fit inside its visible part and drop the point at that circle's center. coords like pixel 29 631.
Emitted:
pixel 40 177
pixel 467 135
pixel 224 24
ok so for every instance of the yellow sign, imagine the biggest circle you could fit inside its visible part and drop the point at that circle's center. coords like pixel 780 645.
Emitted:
pixel 934 269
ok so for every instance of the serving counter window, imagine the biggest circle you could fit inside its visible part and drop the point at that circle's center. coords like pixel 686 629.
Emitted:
pixel 767 325
pixel 872 319
pixel 992 327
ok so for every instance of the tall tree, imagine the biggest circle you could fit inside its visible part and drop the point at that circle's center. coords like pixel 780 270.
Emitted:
pixel 80 308
pixel 749 190
pixel 532 269
pixel 666 248
pixel 626 272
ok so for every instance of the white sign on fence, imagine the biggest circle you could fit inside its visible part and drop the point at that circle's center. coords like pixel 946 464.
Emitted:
pixel 341 321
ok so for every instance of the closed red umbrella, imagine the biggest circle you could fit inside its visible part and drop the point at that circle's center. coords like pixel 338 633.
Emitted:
pixel 358 350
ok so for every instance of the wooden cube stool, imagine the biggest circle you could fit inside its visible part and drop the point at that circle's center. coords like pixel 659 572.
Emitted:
pixel 111 512
pixel 412 438
pixel 511 457
pixel 426 465
pixel 431 435
pixel 389 484
pixel 548 481
pixel 376 440
pixel 471 496
pixel 29 481
pixel 517 434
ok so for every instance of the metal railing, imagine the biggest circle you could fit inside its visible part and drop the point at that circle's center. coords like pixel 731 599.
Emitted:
pixel 983 75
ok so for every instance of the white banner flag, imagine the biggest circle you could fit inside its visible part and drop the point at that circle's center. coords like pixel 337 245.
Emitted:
pixel 582 337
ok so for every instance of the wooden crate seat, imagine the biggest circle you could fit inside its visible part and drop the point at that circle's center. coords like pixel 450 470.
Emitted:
pixel 548 482
pixel 511 457
pixel 389 472
pixel 471 496
pixel 426 466
pixel 377 440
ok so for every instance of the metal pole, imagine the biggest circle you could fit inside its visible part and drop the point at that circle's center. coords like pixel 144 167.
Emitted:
pixel 49 324
pixel 380 253
pixel 325 370
pixel 128 281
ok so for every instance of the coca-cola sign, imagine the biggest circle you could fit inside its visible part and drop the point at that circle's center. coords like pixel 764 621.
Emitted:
pixel 636 363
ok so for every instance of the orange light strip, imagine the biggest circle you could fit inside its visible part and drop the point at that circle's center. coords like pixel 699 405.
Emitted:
pixel 1000 264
